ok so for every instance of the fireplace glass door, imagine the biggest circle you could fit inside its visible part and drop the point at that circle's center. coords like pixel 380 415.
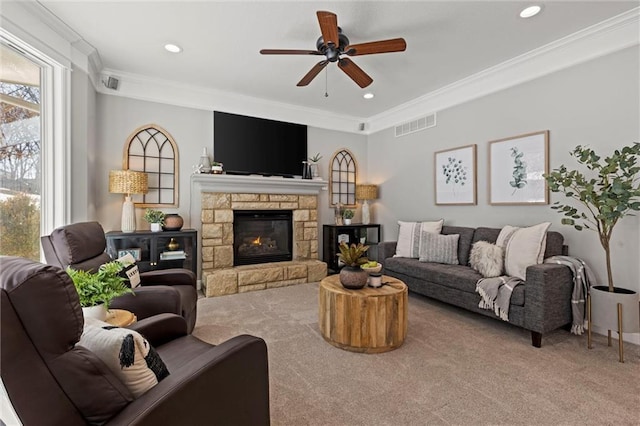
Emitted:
pixel 261 236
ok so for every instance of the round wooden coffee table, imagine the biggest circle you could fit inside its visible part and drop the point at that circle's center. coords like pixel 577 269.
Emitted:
pixel 369 320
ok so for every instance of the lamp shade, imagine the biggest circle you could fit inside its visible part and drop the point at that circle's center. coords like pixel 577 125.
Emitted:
pixel 128 182
pixel 366 192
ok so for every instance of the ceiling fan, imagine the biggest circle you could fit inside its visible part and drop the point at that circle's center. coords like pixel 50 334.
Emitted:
pixel 333 43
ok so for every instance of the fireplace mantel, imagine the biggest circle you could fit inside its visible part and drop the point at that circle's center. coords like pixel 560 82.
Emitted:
pixel 254 184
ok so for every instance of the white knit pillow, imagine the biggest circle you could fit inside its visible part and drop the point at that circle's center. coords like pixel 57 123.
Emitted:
pixel 523 247
pixel 487 259
pixel 439 248
pixel 409 236
pixel 127 354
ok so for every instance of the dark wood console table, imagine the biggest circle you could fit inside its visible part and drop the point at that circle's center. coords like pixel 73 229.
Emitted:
pixel 332 235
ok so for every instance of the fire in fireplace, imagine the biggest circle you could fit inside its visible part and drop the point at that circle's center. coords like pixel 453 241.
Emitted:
pixel 261 236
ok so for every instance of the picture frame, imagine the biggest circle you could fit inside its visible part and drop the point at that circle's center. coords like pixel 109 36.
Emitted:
pixel 134 251
pixel 455 176
pixel 516 168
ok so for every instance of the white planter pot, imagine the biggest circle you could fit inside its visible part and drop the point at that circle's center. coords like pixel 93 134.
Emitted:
pixel 156 227
pixel 604 308
pixel 347 221
pixel 98 312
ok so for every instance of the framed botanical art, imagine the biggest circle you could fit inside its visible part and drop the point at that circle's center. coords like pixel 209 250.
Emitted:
pixel 516 168
pixel 455 176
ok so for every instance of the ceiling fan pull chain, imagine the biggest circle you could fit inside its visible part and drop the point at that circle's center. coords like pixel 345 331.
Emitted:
pixel 326 91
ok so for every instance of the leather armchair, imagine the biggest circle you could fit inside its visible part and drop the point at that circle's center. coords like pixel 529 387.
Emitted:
pixel 51 380
pixel 82 246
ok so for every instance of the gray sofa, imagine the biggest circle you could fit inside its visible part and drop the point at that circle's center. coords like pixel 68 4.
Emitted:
pixel 541 305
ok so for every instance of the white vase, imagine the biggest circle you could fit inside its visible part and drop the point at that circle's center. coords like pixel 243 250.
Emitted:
pixel 604 308
pixel 156 227
pixel 98 312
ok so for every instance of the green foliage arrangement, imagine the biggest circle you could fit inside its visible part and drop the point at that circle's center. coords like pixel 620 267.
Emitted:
pixel 99 287
pixel 20 227
pixel 519 170
pixel 609 193
pixel 315 158
pixel 154 216
pixel 348 214
pixel 353 255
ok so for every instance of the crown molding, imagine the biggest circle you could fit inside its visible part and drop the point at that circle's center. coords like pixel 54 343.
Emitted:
pixel 611 35
pixel 170 92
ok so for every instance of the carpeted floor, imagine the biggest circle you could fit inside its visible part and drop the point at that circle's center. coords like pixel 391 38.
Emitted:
pixel 455 367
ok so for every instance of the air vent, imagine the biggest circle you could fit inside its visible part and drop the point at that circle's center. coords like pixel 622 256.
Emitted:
pixel 416 125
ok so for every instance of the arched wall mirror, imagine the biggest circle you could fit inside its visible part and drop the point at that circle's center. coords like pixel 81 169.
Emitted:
pixel 343 171
pixel 152 150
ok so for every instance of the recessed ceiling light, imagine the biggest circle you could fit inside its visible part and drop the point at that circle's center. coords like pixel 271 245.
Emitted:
pixel 530 11
pixel 368 95
pixel 173 48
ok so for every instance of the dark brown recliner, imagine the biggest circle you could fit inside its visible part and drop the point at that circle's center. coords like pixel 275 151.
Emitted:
pixel 82 246
pixel 50 380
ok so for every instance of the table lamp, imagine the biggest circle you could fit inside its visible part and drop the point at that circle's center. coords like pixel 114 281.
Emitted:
pixel 128 182
pixel 365 193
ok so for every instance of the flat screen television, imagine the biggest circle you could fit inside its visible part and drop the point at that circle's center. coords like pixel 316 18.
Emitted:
pixel 250 145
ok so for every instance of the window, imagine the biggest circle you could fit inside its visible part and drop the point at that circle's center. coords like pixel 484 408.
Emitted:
pixel 343 172
pixel 152 150
pixel 20 154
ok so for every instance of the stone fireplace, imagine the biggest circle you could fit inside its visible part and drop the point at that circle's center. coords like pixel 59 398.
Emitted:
pixel 222 200
pixel 262 236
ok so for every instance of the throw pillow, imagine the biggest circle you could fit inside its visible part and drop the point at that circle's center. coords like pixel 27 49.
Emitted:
pixel 127 354
pixel 409 236
pixel 524 247
pixel 439 248
pixel 487 259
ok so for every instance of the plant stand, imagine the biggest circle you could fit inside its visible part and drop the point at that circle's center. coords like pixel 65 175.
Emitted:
pixel 627 320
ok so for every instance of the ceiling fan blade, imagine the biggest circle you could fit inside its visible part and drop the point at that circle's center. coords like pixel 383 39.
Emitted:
pixel 373 47
pixel 361 78
pixel 328 26
pixel 289 52
pixel 312 73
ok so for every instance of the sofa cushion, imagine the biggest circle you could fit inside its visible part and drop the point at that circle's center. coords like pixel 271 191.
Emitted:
pixel 487 258
pixel 439 248
pixel 129 355
pixel 464 242
pixel 457 277
pixel 523 247
pixel 409 236
pixel 554 246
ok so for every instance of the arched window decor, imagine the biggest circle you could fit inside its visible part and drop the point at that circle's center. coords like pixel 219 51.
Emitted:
pixel 152 150
pixel 342 186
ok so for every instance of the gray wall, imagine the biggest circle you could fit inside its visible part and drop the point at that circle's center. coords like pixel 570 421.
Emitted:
pixel 595 103
pixel 192 129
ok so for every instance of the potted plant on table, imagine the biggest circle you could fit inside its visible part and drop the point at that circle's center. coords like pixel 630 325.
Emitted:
pixel 155 219
pixel 347 215
pixel 351 275
pixel 96 290
pixel 609 192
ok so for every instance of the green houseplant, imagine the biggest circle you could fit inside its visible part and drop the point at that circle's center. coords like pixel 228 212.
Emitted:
pixel 351 275
pixel 99 288
pixel 608 192
pixel 155 219
pixel 347 215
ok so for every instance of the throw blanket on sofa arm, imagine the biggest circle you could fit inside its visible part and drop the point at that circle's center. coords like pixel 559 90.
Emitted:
pixel 583 278
pixel 496 293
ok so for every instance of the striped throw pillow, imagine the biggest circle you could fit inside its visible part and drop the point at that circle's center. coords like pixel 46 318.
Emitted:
pixel 409 236
pixel 438 248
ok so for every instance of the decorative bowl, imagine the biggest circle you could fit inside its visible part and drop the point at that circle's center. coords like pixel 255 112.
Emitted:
pixel 374 269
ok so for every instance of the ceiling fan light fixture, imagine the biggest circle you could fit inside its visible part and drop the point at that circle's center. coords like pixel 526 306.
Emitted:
pixel 531 11
pixel 368 95
pixel 173 48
